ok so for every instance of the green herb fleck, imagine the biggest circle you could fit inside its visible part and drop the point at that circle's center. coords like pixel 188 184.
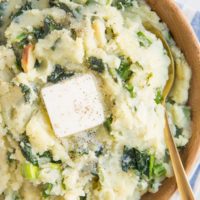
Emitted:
pixel 108 122
pixel 159 170
pixel 121 4
pixel 73 34
pixel 137 64
pixel 37 64
pixel 46 189
pixel 55 44
pixel 149 76
pixel 159 98
pixel 179 131
pixel 109 33
pixel 143 39
pixel 30 171
pixel 96 64
pixel 83 197
pixel 26 150
pixel 135 109
pixel 170 100
pixel 10 154
pixel 151 166
pixel 99 151
pixel 26 91
pixel 79 151
pixel 124 70
pixel 130 89
pixel 27 37
pixel 50 25
pixel 113 74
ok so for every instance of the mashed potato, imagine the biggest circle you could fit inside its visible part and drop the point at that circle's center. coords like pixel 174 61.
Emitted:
pixel 119 160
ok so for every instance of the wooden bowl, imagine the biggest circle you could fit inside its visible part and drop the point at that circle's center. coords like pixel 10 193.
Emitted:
pixel 185 38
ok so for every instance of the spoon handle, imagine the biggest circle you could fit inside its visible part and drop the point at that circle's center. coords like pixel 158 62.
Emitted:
pixel 180 175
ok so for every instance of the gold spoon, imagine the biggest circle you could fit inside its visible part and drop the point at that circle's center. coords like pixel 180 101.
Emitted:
pixel 180 175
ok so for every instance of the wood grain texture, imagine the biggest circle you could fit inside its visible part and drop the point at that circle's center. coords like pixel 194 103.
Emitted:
pixel 188 43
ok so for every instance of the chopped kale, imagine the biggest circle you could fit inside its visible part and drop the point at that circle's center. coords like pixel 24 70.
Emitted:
pixel 50 25
pixel 58 74
pixel 22 39
pixel 32 37
pixel 26 6
pixel 16 196
pixel 144 163
pixel 136 160
pixel 143 39
pixel 83 197
pixel 99 151
pixel 73 34
pixel 47 155
pixel 27 37
pixel 37 33
pixel 63 6
pixel 26 91
pixel 18 55
pixel 46 189
pixel 159 98
pixel 37 64
pixel 96 64
pixel 27 151
pixel 108 122
pixel 179 131
pixel 125 74
pixel 121 4
pixel 124 70
pixel 9 155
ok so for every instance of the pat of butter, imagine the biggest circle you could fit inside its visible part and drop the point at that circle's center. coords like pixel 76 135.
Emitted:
pixel 74 105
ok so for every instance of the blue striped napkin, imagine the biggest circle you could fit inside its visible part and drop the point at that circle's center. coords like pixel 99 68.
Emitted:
pixel 192 11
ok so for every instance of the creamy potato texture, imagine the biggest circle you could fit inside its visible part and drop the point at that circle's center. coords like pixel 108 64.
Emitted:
pixel 46 42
